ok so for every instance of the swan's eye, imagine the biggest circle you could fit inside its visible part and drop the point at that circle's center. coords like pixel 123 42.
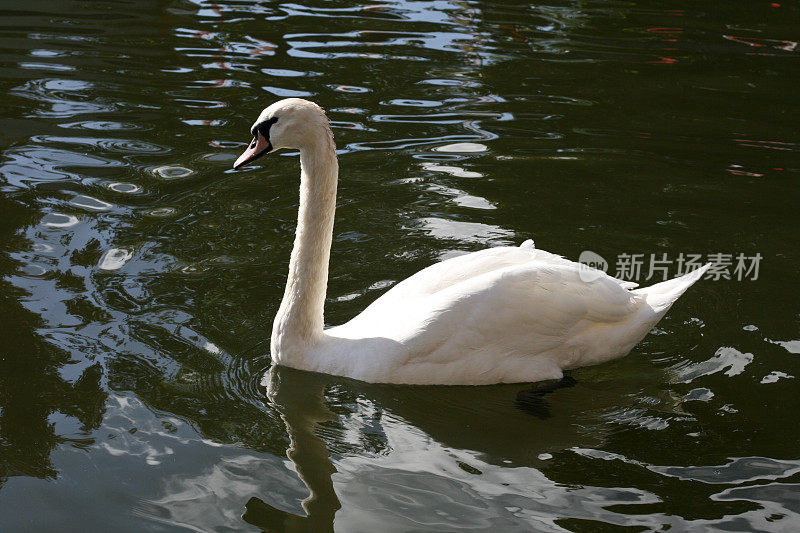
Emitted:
pixel 263 128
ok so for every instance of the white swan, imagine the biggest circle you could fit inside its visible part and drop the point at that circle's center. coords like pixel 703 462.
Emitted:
pixel 501 315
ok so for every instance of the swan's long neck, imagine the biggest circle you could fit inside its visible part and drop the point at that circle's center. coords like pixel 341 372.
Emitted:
pixel 299 322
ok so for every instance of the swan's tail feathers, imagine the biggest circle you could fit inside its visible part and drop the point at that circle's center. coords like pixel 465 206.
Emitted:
pixel 662 295
pixel 528 244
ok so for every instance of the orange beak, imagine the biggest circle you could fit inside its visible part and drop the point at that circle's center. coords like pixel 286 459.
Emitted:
pixel 258 147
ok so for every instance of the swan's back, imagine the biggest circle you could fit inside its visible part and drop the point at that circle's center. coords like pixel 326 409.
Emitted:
pixel 440 276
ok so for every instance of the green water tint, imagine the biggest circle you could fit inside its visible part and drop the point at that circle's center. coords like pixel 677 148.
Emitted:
pixel 139 272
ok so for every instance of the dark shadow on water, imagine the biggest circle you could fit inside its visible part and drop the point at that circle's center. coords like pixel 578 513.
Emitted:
pixel 532 400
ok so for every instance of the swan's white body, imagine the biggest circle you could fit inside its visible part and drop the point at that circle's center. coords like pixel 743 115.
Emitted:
pixel 501 315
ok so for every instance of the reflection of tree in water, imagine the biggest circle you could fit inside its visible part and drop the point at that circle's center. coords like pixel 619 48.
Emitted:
pixel 31 389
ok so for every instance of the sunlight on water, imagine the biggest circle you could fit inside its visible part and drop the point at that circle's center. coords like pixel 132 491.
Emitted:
pixel 140 274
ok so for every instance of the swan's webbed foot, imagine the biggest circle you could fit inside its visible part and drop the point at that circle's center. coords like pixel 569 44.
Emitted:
pixel 532 400
pixel 563 383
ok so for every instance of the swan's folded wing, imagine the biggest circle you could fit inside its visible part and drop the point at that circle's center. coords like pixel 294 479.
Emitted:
pixel 459 269
pixel 518 311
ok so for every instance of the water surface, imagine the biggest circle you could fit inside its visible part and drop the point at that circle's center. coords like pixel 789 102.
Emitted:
pixel 139 274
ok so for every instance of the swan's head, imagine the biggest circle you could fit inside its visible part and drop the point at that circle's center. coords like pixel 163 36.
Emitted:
pixel 290 123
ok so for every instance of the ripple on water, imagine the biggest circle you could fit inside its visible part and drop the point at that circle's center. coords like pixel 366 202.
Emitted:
pixel 462 147
pixel 124 187
pixel 444 82
pixel 288 73
pixel 66 98
pixel 101 125
pixel 195 269
pixel 413 103
pixel 349 88
pixel 211 123
pixel 40 247
pixel 59 220
pixel 474 232
pixel 41 52
pixel 282 92
pixel 123 146
pixel 169 172
pixel 218 156
pixel 774 376
pixel 739 470
pixel 131 146
pixel 45 66
pixel 779 501
pixel 463 199
pixel 33 270
pixel 452 170
pixel 162 212
pixel 700 394
pixel 92 204
pixel 115 258
pixel 791 346
pixel 727 359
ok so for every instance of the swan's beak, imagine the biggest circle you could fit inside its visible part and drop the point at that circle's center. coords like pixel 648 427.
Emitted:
pixel 259 146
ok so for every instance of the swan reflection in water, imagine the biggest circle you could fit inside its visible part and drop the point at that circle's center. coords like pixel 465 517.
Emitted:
pixel 299 398
pixel 448 456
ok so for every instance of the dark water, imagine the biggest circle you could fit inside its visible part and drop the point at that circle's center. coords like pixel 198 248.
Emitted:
pixel 139 272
